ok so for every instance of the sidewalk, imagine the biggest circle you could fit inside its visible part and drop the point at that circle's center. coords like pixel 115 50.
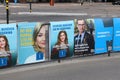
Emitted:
pixel 40 65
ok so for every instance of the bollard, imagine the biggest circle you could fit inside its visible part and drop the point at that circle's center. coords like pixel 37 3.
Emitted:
pixel 109 53
pixel 59 60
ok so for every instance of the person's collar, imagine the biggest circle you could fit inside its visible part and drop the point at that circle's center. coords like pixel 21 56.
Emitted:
pixel 82 33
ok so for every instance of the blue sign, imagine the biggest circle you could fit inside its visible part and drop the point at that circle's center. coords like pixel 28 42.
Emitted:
pixel 3 61
pixel 103 35
pixel 62 53
pixel 39 56
pixel 116 38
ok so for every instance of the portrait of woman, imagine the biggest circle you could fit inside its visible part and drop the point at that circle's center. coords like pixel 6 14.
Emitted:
pixel 61 44
pixel 4 49
pixel 39 43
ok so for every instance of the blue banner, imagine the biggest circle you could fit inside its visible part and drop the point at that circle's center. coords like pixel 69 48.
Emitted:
pixel 103 34
pixel 116 37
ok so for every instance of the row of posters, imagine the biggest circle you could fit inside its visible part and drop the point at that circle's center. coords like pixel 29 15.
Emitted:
pixel 31 42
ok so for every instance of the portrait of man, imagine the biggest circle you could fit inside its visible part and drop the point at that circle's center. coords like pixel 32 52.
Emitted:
pixel 83 41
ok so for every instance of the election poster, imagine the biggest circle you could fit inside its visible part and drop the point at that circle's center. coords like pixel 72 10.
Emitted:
pixel 116 36
pixel 103 35
pixel 31 42
pixel 8 45
pixel 84 37
pixel 61 39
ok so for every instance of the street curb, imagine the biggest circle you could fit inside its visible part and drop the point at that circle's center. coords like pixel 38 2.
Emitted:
pixel 101 57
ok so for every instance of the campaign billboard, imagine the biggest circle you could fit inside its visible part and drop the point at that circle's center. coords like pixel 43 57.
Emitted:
pixel 84 37
pixel 103 34
pixel 8 44
pixel 61 39
pixel 116 36
pixel 31 42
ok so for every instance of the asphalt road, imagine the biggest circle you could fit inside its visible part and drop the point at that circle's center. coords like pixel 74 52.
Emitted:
pixel 43 12
pixel 99 67
pixel 88 68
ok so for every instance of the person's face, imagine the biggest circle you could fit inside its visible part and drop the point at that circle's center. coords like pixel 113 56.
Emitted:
pixel 81 25
pixel 2 43
pixel 40 40
pixel 62 37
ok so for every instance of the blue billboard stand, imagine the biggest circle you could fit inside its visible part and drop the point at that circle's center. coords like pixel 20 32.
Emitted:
pixel 116 37
pixel 103 35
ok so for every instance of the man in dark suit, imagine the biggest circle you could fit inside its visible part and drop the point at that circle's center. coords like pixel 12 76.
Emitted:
pixel 83 41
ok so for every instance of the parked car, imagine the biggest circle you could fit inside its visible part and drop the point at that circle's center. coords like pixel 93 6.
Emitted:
pixel 116 2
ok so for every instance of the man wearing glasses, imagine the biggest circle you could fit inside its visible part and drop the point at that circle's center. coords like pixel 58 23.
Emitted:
pixel 83 41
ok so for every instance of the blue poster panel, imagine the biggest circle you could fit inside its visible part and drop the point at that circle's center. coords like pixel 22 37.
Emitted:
pixel 84 37
pixel 8 44
pixel 103 34
pixel 31 42
pixel 116 36
pixel 61 39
